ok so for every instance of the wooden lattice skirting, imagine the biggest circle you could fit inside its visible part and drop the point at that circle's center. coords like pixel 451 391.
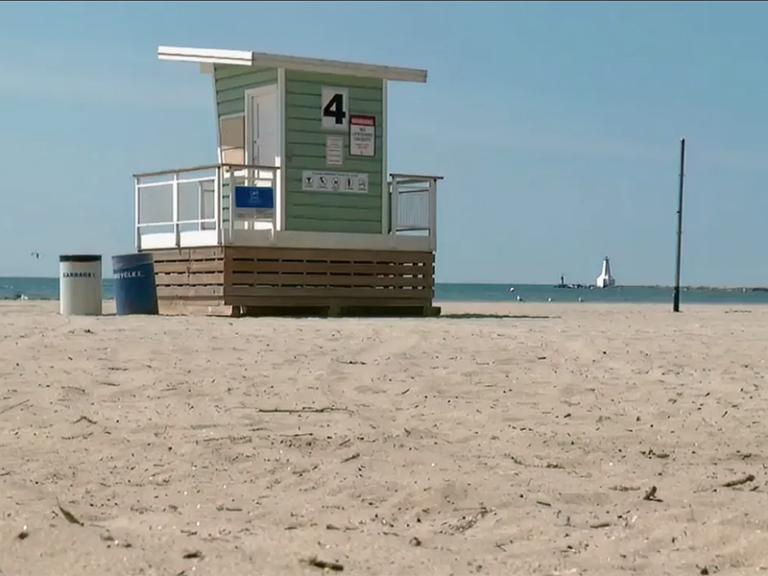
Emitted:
pixel 291 281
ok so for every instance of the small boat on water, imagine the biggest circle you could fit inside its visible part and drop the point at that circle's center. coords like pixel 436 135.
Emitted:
pixel 568 286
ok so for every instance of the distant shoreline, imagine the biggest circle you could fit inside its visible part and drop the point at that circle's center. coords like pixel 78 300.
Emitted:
pixel 575 286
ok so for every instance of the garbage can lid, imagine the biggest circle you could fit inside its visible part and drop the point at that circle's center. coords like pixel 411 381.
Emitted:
pixel 80 258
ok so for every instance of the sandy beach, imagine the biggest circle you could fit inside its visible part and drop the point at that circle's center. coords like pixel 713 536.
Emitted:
pixel 551 439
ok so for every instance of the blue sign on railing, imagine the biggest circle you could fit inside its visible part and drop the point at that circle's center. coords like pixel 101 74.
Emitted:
pixel 259 197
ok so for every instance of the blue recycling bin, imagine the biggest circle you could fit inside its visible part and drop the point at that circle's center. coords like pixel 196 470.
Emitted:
pixel 135 287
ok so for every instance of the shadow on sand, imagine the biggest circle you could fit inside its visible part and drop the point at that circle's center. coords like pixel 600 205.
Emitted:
pixel 497 316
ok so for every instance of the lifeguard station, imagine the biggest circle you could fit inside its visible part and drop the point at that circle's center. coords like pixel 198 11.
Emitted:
pixel 299 213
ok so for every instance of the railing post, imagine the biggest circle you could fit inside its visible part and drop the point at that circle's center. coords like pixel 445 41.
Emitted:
pixel 137 214
pixel 175 211
pixel 200 205
pixel 386 205
pixel 230 203
pixel 217 204
pixel 274 201
pixel 394 210
pixel 433 213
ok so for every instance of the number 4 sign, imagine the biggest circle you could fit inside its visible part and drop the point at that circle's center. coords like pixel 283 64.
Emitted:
pixel 334 104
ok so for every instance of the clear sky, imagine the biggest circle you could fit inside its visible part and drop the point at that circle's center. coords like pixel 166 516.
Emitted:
pixel 555 124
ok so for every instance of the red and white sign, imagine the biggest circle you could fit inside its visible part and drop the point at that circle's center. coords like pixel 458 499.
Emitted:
pixel 362 135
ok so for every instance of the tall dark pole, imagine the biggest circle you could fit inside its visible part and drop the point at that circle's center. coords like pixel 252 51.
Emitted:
pixel 676 297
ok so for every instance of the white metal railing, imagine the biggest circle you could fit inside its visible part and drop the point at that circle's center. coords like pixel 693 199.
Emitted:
pixel 413 205
pixel 196 206
pixel 198 203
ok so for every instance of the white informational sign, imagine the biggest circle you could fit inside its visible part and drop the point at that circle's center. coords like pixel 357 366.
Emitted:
pixel 334 150
pixel 362 135
pixel 320 181
pixel 334 108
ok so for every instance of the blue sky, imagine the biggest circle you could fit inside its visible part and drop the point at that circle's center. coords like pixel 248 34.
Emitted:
pixel 555 124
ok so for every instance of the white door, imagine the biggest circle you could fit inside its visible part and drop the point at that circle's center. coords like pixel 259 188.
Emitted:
pixel 263 145
pixel 264 136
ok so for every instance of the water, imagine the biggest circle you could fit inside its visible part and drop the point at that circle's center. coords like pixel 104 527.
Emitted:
pixel 632 294
pixel 48 289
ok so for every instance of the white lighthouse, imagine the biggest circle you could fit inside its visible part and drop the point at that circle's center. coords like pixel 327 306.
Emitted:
pixel 605 280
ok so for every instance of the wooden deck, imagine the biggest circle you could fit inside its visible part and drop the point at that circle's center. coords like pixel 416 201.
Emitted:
pixel 258 281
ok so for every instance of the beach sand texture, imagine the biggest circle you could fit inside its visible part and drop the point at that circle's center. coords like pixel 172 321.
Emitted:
pixel 213 446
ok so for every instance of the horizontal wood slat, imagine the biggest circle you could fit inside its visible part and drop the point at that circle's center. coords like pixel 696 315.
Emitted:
pixel 327 280
pixel 324 292
pixel 188 254
pixel 353 268
pixel 190 267
pixel 324 301
pixel 322 255
pixel 189 291
pixel 188 279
